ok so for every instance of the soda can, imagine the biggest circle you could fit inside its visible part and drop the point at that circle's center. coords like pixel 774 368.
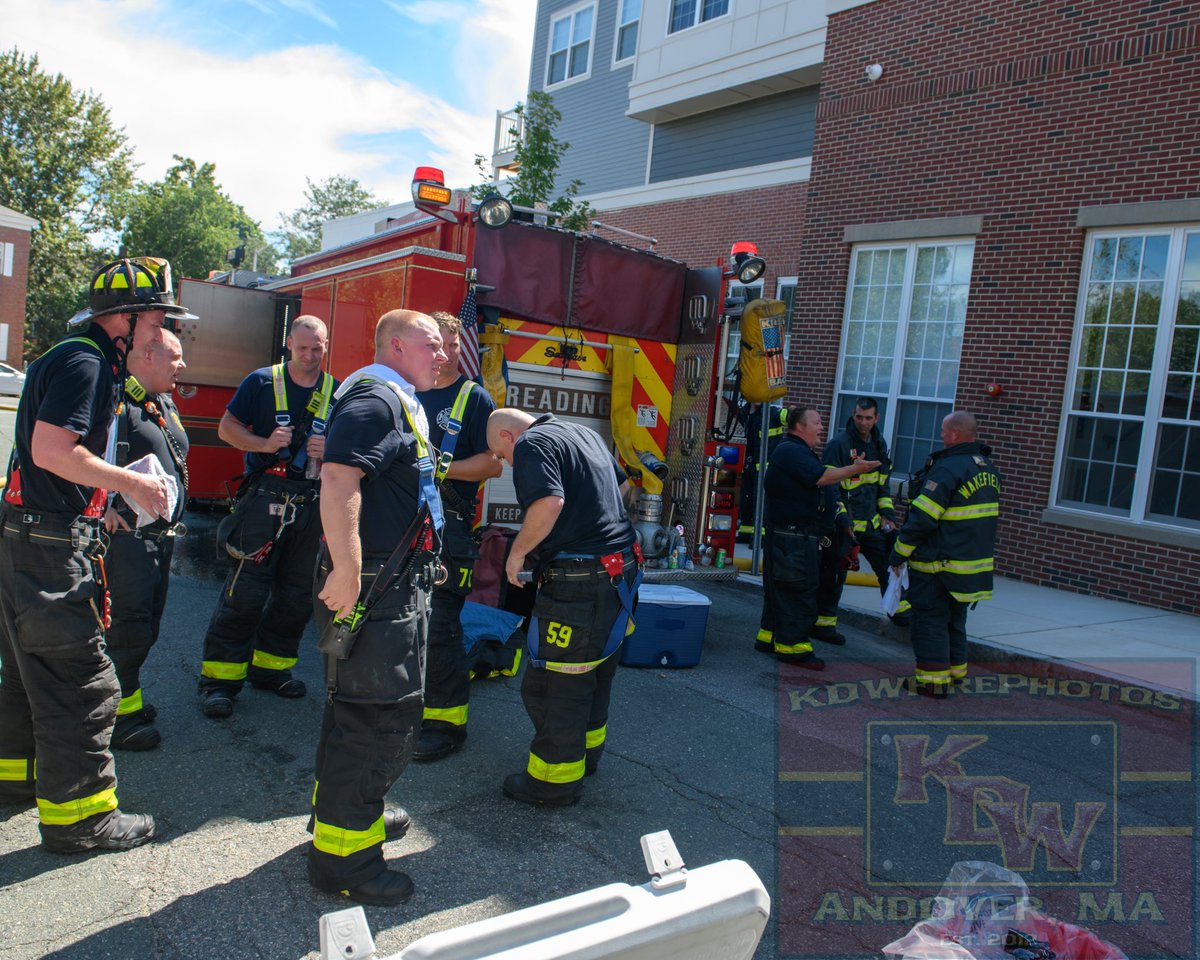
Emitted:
pixel 721 558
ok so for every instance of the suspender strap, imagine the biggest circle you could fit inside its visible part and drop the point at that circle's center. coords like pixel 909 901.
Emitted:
pixel 279 385
pixel 453 428
pixel 427 491
pixel 318 404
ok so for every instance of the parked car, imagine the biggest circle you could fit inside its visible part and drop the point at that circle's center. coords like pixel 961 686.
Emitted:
pixel 11 380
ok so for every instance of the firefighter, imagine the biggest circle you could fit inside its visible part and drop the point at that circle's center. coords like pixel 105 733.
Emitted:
pixel 776 425
pixel 570 490
pixel 948 541
pixel 869 501
pixel 378 477
pixel 58 689
pixel 457 409
pixel 801 511
pixel 139 557
pixel 278 417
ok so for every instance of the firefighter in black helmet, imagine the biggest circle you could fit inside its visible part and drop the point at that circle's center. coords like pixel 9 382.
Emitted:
pixel 58 689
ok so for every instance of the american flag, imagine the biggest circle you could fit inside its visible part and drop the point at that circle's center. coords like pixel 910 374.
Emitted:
pixel 773 347
pixel 468 359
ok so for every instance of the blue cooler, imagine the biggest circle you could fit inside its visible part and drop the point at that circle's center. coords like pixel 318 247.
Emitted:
pixel 669 627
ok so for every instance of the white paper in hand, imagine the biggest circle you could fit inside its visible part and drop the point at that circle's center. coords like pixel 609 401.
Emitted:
pixel 152 466
pixel 890 602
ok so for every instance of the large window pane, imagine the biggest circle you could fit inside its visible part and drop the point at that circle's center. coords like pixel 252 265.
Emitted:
pixel 1175 493
pixel 683 14
pixel 918 434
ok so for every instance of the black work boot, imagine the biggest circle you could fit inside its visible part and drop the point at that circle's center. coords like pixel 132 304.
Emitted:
pixel 828 635
pixel 122 831
pixel 218 703
pixel 135 731
pixel 388 888
pixel 279 682
pixel 521 786
pixel 434 745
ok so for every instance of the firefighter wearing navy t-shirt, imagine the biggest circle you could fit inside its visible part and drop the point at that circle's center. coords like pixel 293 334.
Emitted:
pixel 381 513
pixel 457 410
pixel 58 688
pixel 570 489
pixel 801 512
pixel 139 557
pixel 278 416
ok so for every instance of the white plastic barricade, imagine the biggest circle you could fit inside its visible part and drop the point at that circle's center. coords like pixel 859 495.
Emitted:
pixel 715 912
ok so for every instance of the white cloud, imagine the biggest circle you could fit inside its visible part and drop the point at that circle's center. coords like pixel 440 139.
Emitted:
pixel 314 102
pixel 310 9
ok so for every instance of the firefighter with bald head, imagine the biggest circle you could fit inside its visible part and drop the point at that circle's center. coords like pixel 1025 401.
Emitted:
pixel 59 692
pixel 382 517
pixel 948 542
pixel 278 417
pixel 588 569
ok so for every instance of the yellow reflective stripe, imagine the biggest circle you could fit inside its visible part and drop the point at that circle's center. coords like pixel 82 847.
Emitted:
pixel 422 450
pixel 14 769
pixel 802 647
pixel 280 388
pixel 596 738
pixel 964 567
pixel 971 597
pixel 460 402
pixel 904 607
pixel 73 811
pixel 316 783
pixel 904 549
pixel 539 769
pixel 932 676
pixel 321 398
pixel 340 842
pixel 131 703
pixel 454 715
pixel 860 526
pixel 827 621
pixel 765 635
pixel 560 667
pixel 885 503
pixel 512 672
pixel 958 670
pixel 268 661
pixel 971 512
pixel 216 670
pixel 926 505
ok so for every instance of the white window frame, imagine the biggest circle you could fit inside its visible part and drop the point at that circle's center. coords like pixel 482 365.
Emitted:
pixel 6 258
pixel 1152 419
pixel 780 284
pixel 570 14
pixel 635 22
pixel 892 399
pixel 696 21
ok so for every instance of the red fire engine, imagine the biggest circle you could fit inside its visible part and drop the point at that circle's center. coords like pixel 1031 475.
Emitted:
pixel 620 339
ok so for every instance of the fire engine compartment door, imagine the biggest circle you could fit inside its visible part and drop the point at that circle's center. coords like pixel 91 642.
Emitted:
pixel 579 397
pixel 234 335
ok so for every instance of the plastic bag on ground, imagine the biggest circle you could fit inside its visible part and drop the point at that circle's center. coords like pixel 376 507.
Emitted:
pixel 976 907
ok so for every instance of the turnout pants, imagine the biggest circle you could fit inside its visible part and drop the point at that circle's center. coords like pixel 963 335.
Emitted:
pixel 939 629
pixel 567 698
pixel 272 538
pixel 829 592
pixel 791 590
pixel 58 688
pixel 368 730
pixel 448 674
pixel 139 571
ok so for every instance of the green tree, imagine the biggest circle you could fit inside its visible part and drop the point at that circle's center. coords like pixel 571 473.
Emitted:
pixel 188 219
pixel 330 199
pixel 64 163
pixel 537 158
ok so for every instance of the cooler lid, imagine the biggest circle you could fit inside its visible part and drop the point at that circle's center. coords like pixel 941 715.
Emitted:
pixel 671 593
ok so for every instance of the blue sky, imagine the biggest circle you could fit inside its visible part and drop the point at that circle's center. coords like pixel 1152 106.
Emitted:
pixel 274 91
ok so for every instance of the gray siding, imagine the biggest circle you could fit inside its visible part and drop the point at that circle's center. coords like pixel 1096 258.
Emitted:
pixel 608 150
pixel 778 127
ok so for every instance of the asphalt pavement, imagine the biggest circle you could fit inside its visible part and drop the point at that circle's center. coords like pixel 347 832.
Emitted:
pixel 739 757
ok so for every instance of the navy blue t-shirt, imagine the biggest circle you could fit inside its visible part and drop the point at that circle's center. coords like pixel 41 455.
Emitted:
pixel 554 458
pixel 72 385
pixel 790 485
pixel 370 431
pixel 146 435
pixel 472 439
pixel 254 405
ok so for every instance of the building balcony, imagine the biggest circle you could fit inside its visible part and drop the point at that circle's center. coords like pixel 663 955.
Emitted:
pixel 510 127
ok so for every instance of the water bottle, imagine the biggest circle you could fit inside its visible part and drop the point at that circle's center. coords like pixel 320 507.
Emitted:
pixel 312 469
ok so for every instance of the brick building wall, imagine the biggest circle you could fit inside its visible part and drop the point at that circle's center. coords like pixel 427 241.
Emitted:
pixel 1018 113
pixel 12 294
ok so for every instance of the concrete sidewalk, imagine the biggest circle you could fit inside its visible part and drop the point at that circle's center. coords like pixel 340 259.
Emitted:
pixel 1107 638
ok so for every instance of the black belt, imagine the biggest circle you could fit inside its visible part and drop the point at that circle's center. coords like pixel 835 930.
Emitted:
pixel 808 531
pixel 157 531
pixel 54 528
